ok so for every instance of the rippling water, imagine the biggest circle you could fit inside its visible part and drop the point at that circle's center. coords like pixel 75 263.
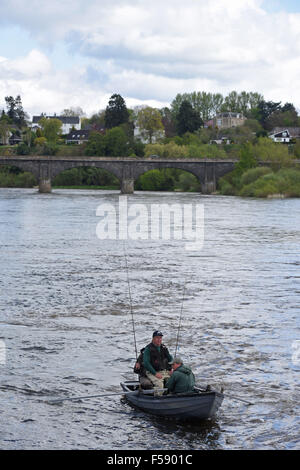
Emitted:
pixel 66 325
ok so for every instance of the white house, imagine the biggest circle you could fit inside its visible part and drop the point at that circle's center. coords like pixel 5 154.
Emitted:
pixel 68 122
pixel 281 136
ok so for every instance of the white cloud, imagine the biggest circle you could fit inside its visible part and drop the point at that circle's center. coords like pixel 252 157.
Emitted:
pixel 150 51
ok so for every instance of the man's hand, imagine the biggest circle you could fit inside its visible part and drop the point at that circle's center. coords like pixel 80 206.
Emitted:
pixel 137 365
pixel 158 375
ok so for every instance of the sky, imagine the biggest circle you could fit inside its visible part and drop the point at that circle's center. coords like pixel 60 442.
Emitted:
pixel 66 53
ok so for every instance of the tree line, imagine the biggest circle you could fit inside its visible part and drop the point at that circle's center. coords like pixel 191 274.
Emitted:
pixel 177 131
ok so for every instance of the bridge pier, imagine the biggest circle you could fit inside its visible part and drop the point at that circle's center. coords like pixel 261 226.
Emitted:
pixel 127 186
pixel 45 186
pixel 208 187
pixel 45 176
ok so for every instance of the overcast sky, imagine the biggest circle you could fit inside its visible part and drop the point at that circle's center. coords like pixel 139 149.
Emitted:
pixel 62 53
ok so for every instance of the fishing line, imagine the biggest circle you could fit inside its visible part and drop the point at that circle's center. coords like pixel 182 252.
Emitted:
pixel 179 326
pixel 130 301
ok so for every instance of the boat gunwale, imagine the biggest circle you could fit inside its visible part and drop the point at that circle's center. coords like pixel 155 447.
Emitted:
pixel 195 394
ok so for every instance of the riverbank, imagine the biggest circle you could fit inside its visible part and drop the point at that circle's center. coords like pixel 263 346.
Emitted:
pixel 260 182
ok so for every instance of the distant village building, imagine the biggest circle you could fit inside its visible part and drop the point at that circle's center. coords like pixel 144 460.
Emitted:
pixel 68 122
pixel 14 139
pixel 226 120
pixel 78 136
pixel 222 140
pixel 284 134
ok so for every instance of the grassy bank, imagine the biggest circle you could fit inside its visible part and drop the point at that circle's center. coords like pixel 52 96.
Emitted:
pixel 262 182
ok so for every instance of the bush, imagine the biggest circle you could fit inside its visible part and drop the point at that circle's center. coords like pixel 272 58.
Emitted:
pixel 169 150
pixel 226 188
pixel 253 174
pixel 23 149
pixel 50 148
pixel 21 180
pixel 188 182
pixel 41 141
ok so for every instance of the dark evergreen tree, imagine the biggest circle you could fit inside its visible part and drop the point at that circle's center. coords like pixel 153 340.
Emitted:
pixel 116 112
pixel 188 120
pixel 15 110
pixel 265 109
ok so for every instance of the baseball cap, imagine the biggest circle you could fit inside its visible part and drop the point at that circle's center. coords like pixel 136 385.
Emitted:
pixel 157 333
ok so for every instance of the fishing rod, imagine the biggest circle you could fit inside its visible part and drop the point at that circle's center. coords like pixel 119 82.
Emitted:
pixel 179 326
pixel 130 301
pixel 104 395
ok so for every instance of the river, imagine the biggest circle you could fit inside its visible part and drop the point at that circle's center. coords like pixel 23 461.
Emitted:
pixel 65 323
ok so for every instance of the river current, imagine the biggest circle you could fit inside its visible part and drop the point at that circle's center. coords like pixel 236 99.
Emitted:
pixel 66 329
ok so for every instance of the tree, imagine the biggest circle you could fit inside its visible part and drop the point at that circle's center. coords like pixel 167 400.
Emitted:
pixel 188 119
pixel 150 123
pixel 51 128
pixel 116 142
pixel 265 110
pixel 4 131
pixel 116 112
pixel 168 122
pixel 73 111
pixel 285 116
pixel 15 110
pixel 96 144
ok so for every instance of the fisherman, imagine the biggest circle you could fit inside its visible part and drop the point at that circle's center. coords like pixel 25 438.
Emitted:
pixel 182 379
pixel 156 360
pixel 140 370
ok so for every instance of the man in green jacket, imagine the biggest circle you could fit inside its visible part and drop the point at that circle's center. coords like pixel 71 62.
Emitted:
pixel 156 360
pixel 182 379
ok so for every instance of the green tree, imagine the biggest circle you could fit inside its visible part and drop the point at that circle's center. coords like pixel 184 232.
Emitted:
pixel 188 119
pixel 274 153
pixel 150 123
pixel 116 112
pixel 265 109
pixel 96 144
pixel 4 131
pixel 116 142
pixel 51 128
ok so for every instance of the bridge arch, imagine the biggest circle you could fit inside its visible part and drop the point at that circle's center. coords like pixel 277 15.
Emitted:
pixel 65 166
pixel 24 166
pixel 140 173
pixel 107 174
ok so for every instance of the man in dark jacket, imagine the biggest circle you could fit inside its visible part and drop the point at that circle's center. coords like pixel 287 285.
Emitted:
pixel 182 379
pixel 156 360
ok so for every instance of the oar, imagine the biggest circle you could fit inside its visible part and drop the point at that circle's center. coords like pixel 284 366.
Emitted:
pixel 227 395
pixel 239 399
pixel 146 392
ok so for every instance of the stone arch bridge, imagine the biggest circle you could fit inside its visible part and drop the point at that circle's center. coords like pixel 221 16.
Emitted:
pixel 127 170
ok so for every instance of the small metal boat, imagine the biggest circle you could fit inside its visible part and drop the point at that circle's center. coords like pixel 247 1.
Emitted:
pixel 192 406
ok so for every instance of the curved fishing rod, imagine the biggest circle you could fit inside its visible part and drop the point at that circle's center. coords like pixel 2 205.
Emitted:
pixel 130 300
pixel 179 326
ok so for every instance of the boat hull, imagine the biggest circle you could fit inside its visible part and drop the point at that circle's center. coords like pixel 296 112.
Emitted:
pixel 189 407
